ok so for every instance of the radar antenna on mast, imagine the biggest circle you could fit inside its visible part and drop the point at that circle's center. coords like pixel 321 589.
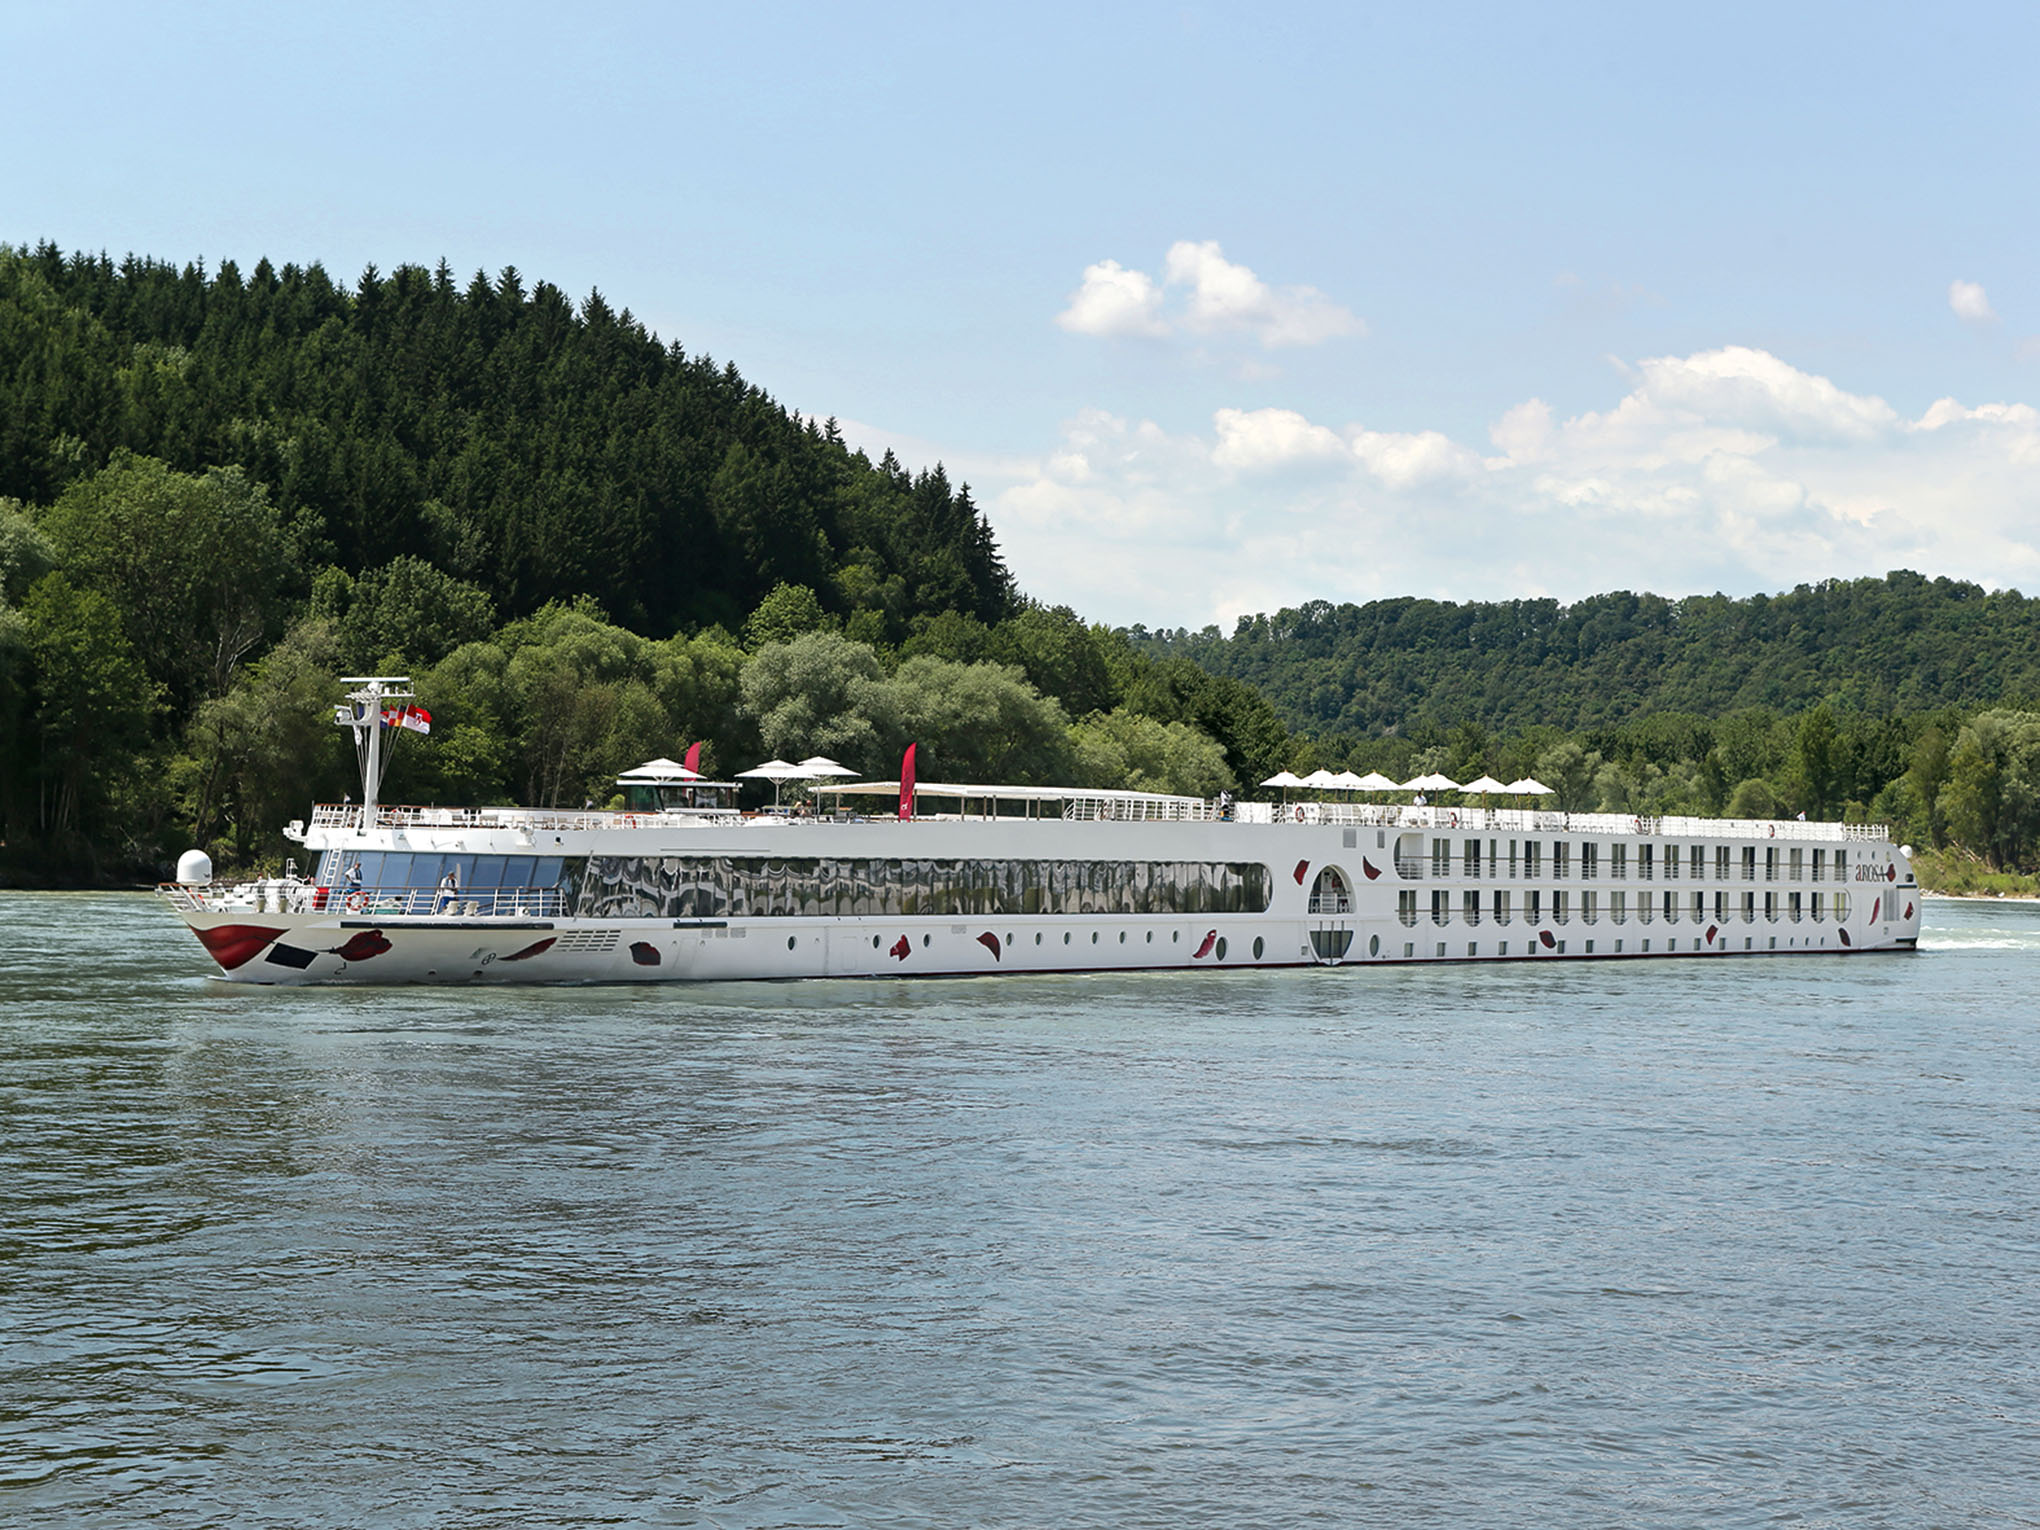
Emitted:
pixel 365 712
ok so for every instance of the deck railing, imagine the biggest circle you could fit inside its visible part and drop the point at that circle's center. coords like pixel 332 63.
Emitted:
pixel 276 896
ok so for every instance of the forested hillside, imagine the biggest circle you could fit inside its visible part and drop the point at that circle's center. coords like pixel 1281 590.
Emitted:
pixel 533 448
pixel 1898 645
pixel 220 491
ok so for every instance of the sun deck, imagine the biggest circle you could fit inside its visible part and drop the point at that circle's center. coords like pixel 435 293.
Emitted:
pixel 1018 804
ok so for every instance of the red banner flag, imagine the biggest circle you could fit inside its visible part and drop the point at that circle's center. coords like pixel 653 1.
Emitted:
pixel 907 782
pixel 693 760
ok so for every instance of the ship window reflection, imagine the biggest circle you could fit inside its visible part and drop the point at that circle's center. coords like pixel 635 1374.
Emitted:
pixel 700 887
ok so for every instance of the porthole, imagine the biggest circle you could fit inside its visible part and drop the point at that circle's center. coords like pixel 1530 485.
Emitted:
pixel 1221 948
pixel 791 942
pixel 1094 937
pixel 1175 935
pixel 874 942
pixel 1037 937
pixel 925 939
pixel 1066 937
pixel 1257 948
pixel 1122 937
pixel 1374 945
pixel 1151 937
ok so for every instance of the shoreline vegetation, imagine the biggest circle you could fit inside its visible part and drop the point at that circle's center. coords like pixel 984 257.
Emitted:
pixel 222 489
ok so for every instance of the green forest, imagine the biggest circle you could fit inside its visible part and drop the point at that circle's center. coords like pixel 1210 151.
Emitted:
pixel 221 490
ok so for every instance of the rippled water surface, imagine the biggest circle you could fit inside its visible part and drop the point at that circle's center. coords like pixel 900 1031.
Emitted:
pixel 1723 1242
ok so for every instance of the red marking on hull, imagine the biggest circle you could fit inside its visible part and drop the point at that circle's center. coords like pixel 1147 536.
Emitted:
pixel 899 949
pixel 359 949
pixel 1544 938
pixel 1908 911
pixel 1712 931
pixel 536 948
pixel 1876 908
pixel 991 943
pixel 1891 873
pixel 235 945
pixel 1204 950
pixel 1368 869
pixel 1302 867
pixel 644 953
pixel 1845 938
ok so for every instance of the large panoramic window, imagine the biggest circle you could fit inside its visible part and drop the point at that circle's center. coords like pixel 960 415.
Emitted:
pixel 726 886
pixel 392 869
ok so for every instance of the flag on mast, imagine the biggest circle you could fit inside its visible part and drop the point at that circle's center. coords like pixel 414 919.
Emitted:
pixel 693 760
pixel 417 719
pixel 907 782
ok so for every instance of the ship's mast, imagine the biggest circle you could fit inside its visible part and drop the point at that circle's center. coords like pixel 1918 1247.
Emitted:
pixel 364 715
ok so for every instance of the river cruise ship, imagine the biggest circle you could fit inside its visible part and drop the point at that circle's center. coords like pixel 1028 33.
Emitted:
pixel 962 880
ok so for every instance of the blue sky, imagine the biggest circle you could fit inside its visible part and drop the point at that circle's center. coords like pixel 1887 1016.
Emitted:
pixel 1216 309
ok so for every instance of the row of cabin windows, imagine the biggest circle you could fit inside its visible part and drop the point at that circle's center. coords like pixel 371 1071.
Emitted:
pixel 1500 906
pixel 1524 860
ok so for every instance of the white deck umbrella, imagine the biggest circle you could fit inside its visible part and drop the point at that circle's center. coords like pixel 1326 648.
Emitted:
pixel 658 772
pixel 1321 780
pixel 1528 788
pixel 1484 786
pixel 1375 781
pixel 1346 781
pixel 778 772
pixel 1434 782
pixel 816 766
pixel 1284 778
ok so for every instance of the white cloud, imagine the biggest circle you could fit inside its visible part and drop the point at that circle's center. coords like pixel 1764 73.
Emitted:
pixel 1727 469
pixel 1224 296
pixel 1402 461
pixel 1217 297
pixel 1969 302
pixel 1115 301
pixel 1265 438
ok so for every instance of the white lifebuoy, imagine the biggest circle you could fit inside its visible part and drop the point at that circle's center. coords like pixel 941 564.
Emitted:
pixel 1299 812
pixel 1774 831
pixel 1452 820
pixel 356 902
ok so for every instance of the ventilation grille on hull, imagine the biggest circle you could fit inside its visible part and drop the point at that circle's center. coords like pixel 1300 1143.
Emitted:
pixel 589 940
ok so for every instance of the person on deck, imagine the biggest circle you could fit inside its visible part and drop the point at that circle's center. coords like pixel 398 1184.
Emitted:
pixel 449 891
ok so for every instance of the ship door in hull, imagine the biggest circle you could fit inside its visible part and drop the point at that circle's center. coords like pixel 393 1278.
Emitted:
pixel 1331 894
pixel 1331 942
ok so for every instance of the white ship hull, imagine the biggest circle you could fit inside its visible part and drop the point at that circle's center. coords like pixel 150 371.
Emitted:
pixel 948 896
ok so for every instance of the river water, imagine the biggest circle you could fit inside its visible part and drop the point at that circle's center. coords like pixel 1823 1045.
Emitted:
pixel 1722 1242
